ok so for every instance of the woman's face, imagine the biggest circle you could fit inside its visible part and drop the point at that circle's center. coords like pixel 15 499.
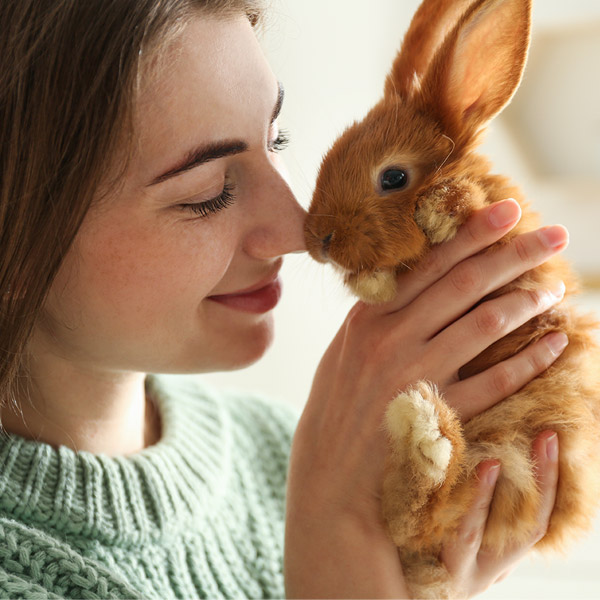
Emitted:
pixel 152 282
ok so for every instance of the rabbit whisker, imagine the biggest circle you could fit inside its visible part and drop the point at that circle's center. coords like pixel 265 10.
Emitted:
pixel 311 231
pixel 449 153
pixel 324 215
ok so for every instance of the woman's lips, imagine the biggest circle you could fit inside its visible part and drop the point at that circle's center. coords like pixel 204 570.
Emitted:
pixel 258 301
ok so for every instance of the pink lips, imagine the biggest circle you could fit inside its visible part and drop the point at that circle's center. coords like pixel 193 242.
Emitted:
pixel 255 300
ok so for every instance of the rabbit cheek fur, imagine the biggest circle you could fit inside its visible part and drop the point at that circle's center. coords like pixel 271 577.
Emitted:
pixel 428 125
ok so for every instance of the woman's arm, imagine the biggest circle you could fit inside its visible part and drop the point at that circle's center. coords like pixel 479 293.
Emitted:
pixel 336 541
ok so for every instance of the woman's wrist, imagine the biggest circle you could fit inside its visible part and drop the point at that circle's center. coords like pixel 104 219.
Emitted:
pixel 341 557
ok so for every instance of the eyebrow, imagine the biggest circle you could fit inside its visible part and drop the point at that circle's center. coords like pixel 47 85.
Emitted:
pixel 214 150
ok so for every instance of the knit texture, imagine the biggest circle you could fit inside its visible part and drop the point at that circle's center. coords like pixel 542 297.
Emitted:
pixel 198 515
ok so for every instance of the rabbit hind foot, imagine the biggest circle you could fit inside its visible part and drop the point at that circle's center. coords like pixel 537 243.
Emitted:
pixel 413 424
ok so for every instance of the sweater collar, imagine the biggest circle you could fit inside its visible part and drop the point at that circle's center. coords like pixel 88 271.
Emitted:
pixel 130 499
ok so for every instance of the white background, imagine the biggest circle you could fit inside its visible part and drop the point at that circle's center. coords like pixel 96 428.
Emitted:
pixel 332 56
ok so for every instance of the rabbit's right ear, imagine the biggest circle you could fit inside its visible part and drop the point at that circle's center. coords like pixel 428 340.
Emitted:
pixel 478 67
pixel 431 23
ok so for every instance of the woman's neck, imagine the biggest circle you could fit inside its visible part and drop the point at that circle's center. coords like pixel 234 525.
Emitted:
pixel 84 409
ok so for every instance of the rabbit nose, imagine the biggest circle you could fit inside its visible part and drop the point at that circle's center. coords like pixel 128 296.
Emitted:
pixel 326 243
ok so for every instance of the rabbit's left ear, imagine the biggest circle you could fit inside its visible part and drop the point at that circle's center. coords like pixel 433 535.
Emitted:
pixel 429 27
pixel 479 67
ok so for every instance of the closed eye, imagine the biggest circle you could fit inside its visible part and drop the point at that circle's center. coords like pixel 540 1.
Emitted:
pixel 209 207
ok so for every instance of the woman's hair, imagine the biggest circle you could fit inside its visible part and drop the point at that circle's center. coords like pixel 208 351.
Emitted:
pixel 69 70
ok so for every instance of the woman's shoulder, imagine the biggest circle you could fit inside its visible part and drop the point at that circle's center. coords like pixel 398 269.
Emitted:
pixel 37 564
pixel 14 586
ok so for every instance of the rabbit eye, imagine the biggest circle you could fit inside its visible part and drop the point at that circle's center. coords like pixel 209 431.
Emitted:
pixel 393 179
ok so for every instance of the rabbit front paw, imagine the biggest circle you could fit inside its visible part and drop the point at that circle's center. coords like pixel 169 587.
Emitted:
pixel 413 424
pixel 372 288
pixel 445 206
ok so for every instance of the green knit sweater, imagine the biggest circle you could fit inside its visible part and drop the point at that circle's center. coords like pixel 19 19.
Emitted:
pixel 198 515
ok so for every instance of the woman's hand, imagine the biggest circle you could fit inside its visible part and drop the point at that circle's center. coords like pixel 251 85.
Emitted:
pixel 474 569
pixel 336 541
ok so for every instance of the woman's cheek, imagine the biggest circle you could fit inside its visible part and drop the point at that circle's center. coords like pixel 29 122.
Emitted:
pixel 111 266
pixel 127 266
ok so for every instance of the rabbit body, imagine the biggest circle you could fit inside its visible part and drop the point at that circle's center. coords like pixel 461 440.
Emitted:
pixel 459 65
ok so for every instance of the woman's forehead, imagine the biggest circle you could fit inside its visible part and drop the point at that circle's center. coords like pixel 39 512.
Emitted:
pixel 214 84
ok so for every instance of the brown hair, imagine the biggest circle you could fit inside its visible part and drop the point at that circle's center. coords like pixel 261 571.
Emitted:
pixel 68 75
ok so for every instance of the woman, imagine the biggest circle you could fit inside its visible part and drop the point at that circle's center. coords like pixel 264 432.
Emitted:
pixel 144 217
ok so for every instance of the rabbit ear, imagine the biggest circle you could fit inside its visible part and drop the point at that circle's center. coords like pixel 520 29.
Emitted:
pixel 479 67
pixel 431 23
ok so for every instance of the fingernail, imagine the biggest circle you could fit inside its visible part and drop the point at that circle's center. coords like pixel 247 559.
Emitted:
pixel 504 213
pixel 558 289
pixel 554 237
pixel 552 447
pixel 492 474
pixel 557 342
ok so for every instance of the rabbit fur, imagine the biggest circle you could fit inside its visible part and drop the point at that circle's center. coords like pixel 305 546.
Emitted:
pixel 459 65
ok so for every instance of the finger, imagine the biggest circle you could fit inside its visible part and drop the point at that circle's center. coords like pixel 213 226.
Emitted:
pixel 480 275
pixel 461 553
pixel 487 323
pixel 478 393
pixel 545 454
pixel 505 574
pixel 484 227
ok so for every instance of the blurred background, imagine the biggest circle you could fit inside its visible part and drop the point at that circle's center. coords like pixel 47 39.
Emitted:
pixel 332 57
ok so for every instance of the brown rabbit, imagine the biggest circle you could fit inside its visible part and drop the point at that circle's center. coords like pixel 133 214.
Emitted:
pixel 394 184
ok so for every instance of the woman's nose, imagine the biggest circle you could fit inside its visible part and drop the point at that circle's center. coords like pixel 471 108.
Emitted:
pixel 278 221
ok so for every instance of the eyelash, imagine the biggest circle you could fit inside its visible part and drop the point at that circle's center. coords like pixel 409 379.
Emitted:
pixel 280 142
pixel 226 198
pixel 208 207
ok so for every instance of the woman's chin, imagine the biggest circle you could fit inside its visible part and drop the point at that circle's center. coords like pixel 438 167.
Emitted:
pixel 254 345
pixel 244 347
